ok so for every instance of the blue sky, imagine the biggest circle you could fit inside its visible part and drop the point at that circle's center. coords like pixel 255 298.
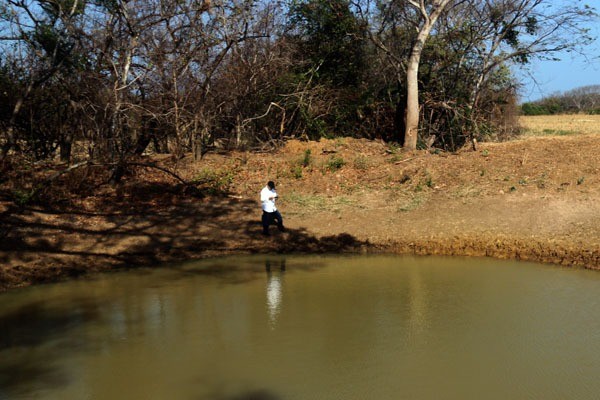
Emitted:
pixel 571 72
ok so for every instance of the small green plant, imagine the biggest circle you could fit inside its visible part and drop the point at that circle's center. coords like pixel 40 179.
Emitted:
pixel 580 180
pixel 214 181
pixel 429 181
pixel 394 148
pixel 22 197
pixel 512 189
pixel 557 132
pixel 297 171
pixel 307 158
pixel 335 163
pixel 485 153
pixel 522 182
pixel 297 166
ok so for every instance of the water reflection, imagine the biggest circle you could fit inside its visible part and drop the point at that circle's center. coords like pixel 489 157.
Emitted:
pixel 274 289
pixel 34 335
pixel 349 328
pixel 418 305
pixel 252 395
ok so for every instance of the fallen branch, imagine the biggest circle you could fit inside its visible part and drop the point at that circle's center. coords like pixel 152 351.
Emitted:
pixel 403 161
pixel 166 171
pixel 55 175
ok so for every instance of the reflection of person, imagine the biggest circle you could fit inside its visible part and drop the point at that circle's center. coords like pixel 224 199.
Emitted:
pixel 274 291
pixel 268 266
pixel 270 213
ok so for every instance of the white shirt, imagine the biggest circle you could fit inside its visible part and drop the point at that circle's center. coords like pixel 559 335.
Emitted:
pixel 268 204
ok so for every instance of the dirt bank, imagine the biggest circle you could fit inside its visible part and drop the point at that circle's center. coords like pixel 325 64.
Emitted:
pixel 535 199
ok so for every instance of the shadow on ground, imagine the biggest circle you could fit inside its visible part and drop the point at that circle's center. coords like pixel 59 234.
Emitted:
pixel 41 244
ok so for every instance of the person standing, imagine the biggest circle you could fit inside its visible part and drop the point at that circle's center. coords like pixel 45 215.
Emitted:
pixel 270 214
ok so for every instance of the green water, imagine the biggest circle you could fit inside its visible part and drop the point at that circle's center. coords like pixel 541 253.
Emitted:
pixel 277 328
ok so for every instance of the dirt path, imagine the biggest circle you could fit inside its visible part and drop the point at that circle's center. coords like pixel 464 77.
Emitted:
pixel 533 199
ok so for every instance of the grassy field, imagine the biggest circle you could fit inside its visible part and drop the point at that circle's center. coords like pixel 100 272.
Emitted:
pixel 540 125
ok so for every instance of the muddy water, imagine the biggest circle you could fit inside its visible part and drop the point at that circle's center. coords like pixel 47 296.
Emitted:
pixel 308 328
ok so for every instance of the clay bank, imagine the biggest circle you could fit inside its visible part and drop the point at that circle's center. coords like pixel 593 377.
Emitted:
pixel 534 199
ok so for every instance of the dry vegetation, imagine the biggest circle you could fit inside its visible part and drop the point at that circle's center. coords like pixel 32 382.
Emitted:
pixel 536 125
pixel 536 198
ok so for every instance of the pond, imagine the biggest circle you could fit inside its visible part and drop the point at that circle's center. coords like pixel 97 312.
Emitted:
pixel 307 327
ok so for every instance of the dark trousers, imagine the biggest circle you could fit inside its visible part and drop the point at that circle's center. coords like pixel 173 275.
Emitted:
pixel 268 218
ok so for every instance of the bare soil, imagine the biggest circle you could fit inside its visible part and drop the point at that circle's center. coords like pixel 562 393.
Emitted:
pixel 537 199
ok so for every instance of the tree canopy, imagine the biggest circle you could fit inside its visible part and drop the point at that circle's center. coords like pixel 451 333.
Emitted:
pixel 109 79
pixel 584 100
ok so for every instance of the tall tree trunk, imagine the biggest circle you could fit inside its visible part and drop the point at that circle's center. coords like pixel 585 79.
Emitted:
pixel 11 140
pixel 412 70
pixel 66 144
pixel 412 97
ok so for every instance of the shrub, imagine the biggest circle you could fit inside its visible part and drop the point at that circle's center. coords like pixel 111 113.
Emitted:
pixel 335 163
pixel 214 181
pixel 307 159
pixel 23 197
pixel 533 109
pixel 297 171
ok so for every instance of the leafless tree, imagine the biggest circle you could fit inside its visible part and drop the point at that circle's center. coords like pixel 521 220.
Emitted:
pixel 39 37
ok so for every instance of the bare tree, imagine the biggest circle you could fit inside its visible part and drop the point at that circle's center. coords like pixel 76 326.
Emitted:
pixel 43 33
pixel 510 31
pixel 485 37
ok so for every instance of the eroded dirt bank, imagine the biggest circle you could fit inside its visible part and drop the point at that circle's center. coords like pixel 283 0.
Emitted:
pixel 532 199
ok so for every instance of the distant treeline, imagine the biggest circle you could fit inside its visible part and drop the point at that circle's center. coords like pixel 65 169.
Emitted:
pixel 114 79
pixel 583 100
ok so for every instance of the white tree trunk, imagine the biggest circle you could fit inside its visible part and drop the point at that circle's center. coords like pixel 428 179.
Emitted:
pixel 412 70
pixel 412 99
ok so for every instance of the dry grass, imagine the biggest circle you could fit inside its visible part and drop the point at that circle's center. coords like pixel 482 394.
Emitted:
pixel 310 203
pixel 542 125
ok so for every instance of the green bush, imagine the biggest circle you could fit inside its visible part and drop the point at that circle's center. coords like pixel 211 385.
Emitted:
pixel 22 197
pixel 297 171
pixel 533 109
pixel 307 159
pixel 335 163
pixel 214 181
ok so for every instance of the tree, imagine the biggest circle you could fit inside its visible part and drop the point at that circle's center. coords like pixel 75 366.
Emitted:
pixel 482 39
pixel 330 35
pixel 391 36
pixel 510 31
pixel 331 66
pixel 428 15
pixel 45 35
pixel 155 63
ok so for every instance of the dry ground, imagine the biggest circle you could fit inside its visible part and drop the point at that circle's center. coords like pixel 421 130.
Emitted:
pixel 536 198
